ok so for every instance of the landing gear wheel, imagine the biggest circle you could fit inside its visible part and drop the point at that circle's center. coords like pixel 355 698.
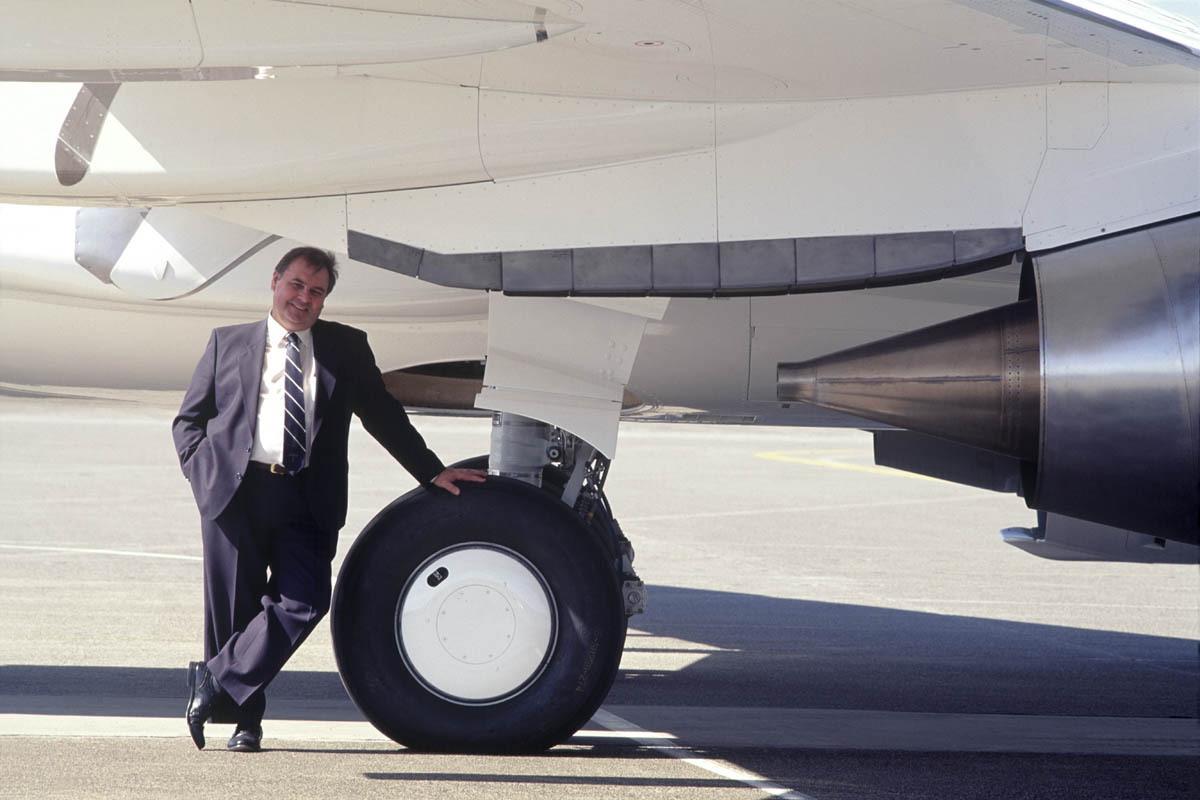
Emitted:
pixel 488 622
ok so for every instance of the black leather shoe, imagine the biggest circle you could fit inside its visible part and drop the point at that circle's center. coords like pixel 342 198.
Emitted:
pixel 204 692
pixel 246 739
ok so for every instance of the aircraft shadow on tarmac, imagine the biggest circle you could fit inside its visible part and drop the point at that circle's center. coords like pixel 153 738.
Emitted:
pixel 754 651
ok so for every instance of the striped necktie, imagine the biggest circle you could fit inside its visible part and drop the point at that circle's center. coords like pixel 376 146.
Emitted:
pixel 294 437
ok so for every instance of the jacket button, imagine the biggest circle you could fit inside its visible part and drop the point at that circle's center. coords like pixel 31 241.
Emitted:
pixel 238 476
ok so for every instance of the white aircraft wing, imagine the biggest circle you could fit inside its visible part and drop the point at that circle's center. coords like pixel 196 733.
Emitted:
pixel 596 124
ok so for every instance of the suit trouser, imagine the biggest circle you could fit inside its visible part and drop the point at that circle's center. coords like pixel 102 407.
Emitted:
pixel 253 623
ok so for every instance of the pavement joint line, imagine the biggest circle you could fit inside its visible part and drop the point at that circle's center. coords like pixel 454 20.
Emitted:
pixel 143 727
pixel 96 551
pixel 649 739
pixel 1017 602
pixel 593 733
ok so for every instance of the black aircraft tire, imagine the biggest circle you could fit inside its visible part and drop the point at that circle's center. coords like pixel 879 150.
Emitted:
pixel 527 528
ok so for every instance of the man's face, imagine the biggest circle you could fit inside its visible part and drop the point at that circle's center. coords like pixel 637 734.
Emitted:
pixel 299 294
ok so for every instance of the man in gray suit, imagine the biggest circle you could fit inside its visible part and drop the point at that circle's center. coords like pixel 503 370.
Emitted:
pixel 262 437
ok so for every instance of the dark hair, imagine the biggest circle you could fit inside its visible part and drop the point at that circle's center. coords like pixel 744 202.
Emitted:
pixel 317 258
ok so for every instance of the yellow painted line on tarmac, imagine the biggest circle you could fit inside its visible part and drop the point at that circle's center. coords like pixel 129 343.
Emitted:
pixel 799 457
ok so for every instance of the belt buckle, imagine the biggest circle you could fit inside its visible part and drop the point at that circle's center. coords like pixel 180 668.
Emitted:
pixel 278 469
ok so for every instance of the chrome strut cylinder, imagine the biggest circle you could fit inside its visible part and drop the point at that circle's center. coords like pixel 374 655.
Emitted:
pixel 519 447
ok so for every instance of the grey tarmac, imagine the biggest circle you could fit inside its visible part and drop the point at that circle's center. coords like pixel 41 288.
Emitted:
pixel 818 627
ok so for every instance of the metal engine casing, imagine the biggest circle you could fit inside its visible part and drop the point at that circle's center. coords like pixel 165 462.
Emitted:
pixel 1119 328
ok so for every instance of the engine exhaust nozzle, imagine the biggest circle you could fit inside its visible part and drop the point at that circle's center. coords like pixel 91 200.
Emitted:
pixel 974 380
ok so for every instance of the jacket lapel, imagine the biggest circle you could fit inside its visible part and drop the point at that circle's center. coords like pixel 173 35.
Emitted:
pixel 325 352
pixel 250 367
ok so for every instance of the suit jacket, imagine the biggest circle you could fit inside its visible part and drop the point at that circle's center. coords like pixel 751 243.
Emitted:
pixel 214 431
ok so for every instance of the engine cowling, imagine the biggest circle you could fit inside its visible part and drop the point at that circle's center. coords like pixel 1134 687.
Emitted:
pixel 1091 380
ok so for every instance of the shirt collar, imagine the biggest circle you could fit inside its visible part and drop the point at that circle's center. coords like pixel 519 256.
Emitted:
pixel 276 334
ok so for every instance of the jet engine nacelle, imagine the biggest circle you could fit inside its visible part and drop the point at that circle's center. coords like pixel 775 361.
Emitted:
pixel 1091 380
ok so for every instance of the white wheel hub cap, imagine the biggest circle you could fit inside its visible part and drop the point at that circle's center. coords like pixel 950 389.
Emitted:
pixel 476 623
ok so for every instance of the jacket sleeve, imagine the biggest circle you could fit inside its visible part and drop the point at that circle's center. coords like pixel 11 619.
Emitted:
pixel 384 417
pixel 190 426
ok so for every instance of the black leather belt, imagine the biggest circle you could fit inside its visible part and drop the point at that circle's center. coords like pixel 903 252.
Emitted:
pixel 274 469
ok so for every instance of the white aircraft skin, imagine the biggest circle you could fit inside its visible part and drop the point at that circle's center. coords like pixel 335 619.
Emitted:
pixel 693 362
pixel 134 342
pixel 158 156
pixel 660 124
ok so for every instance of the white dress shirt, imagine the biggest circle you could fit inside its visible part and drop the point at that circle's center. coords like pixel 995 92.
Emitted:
pixel 268 432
